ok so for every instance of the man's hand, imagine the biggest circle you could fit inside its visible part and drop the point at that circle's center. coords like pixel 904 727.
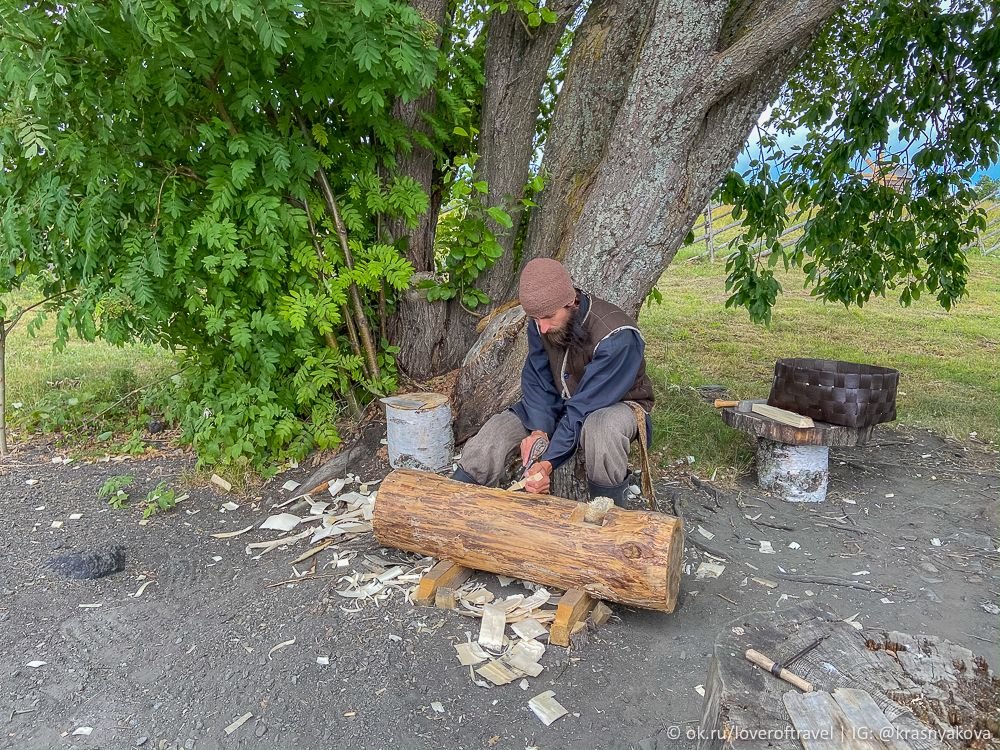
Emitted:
pixel 538 478
pixel 528 442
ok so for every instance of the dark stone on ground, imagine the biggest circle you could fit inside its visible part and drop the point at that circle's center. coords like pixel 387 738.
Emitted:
pixel 93 563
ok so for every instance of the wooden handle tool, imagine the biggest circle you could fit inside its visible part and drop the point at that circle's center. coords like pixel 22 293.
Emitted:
pixel 764 663
pixel 721 403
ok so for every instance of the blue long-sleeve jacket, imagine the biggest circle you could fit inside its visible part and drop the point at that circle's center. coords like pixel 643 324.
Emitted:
pixel 605 382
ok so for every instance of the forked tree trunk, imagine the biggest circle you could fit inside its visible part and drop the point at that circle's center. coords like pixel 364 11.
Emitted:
pixel 658 100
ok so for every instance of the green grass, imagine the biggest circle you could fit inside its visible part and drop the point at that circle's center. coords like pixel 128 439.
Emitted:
pixel 65 392
pixel 949 362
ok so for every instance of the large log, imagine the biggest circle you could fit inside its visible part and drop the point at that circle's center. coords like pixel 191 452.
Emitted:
pixel 631 557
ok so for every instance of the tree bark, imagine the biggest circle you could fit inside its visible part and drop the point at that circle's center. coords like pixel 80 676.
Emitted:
pixel 631 557
pixel 605 48
pixel 516 66
pixel 621 200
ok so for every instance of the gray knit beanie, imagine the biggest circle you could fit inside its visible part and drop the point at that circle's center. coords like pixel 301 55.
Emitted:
pixel 544 287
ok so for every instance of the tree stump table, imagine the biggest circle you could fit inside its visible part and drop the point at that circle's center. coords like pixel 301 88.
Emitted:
pixel 793 461
pixel 872 689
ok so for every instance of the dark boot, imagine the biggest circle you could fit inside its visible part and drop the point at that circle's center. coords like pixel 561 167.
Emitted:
pixel 461 475
pixel 616 493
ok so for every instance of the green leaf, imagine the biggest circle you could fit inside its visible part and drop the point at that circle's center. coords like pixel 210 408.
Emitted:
pixel 500 216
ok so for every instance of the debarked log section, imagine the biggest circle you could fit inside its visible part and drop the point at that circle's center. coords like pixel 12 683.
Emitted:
pixel 631 557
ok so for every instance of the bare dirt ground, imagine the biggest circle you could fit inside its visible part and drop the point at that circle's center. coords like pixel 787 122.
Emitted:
pixel 912 515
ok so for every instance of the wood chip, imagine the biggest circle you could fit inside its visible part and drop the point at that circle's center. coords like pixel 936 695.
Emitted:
pixel 36 664
pixel 469 654
pixel 706 533
pixel 312 551
pixel 142 588
pixel 528 629
pixel 231 534
pixel 708 570
pixel 505 581
pixel 336 486
pixel 266 547
pixel 290 485
pixel 83 731
pixel 437 707
pixel 230 505
pixel 480 596
pixel 497 673
pixel 530 649
pixel 237 723
pixel 220 482
pixel 283 644
pixel 57 524
pixel 765 582
pixel 281 522
pixel 546 707
pixel 75 516
pixel 521 663
pixel 601 613
pixel 492 628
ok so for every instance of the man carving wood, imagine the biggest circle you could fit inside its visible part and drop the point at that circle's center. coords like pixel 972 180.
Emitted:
pixel 585 366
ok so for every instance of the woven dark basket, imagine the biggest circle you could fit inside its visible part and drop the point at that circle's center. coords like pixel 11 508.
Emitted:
pixel 842 393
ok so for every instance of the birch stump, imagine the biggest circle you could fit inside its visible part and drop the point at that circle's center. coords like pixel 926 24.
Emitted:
pixel 630 557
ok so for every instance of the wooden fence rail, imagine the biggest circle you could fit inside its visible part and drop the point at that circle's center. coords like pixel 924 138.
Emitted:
pixel 707 232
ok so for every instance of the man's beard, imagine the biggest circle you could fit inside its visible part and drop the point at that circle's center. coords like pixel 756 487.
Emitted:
pixel 572 336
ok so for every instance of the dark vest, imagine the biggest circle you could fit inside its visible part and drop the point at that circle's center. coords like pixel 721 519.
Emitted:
pixel 602 318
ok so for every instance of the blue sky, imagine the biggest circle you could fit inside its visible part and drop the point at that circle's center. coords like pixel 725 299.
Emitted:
pixel 743 162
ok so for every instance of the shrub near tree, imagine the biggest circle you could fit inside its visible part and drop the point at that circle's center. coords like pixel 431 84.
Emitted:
pixel 301 198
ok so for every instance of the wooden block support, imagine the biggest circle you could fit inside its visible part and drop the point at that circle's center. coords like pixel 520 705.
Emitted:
pixel 573 609
pixel 631 556
pixel 445 573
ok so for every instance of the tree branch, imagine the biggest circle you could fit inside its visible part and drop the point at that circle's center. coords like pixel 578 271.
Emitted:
pixel 29 308
pixel 791 23
pixel 331 205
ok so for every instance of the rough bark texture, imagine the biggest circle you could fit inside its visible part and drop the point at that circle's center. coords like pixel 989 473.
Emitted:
pixel 607 43
pixel 417 325
pixel 631 557
pixel 490 375
pixel 620 201
pixel 517 62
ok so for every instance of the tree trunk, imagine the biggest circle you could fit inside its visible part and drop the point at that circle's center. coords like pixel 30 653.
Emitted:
pixel 621 199
pixel 630 557
pixel 517 64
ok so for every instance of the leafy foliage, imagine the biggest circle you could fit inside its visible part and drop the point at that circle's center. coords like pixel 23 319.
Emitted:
pixel 159 168
pixel 160 499
pixel 115 489
pixel 879 217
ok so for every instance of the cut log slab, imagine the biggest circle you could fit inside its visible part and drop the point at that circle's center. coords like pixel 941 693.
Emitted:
pixel 917 684
pixel 744 419
pixel 631 557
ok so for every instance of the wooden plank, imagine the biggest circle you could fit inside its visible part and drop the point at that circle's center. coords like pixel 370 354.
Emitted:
pixel 574 607
pixel 783 415
pixel 862 711
pixel 821 725
pixel 444 573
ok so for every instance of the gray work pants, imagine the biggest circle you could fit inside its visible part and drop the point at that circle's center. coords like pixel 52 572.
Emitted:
pixel 606 436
